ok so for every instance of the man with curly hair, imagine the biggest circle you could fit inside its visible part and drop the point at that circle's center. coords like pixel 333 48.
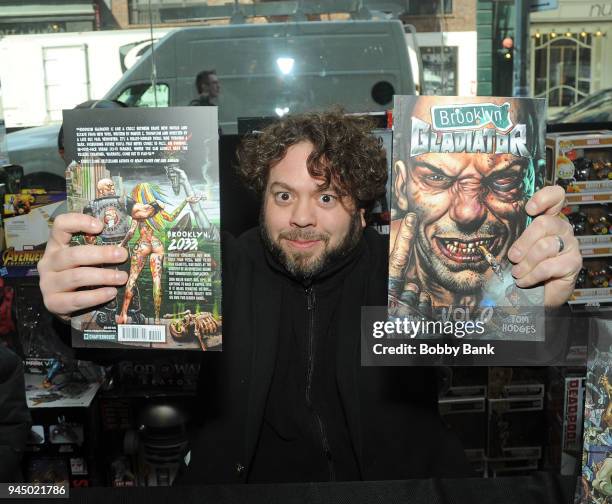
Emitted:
pixel 287 400
pixel 318 176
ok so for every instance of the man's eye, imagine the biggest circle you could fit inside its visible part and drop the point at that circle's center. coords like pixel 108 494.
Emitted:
pixel 505 184
pixel 437 181
pixel 436 178
pixel 327 199
pixel 282 197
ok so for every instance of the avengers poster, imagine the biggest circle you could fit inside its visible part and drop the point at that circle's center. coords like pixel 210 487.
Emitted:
pixel 151 176
pixel 463 170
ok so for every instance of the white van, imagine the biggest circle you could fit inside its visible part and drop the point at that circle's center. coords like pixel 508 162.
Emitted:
pixel 272 69
pixel 265 70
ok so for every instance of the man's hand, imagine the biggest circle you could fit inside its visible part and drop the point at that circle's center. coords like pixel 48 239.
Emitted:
pixel 63 269
pixel 536 255
pixel 405 296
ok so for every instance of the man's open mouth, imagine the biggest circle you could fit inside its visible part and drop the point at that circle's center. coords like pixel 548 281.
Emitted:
pixel 466 250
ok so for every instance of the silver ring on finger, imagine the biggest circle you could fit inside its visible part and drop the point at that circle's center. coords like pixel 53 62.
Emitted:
pixel 561 244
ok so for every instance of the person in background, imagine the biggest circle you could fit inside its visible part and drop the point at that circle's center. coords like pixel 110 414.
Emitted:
pixel 208 88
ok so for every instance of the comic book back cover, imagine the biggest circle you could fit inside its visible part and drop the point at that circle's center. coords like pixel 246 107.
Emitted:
pixel 152 177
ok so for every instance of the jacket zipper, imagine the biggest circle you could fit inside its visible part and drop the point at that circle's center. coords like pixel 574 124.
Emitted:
pixel 310 303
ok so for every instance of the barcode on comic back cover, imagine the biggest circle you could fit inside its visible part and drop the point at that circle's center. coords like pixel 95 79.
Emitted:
pixel 141 333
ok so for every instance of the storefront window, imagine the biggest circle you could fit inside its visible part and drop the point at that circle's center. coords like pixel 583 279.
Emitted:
pixel 562 70
pixel 439 70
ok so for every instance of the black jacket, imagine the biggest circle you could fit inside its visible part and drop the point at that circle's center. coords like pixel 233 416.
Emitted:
pixel 14 415
pixel 391 413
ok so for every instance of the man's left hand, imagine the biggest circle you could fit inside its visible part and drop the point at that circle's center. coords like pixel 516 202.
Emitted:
pixel 536 254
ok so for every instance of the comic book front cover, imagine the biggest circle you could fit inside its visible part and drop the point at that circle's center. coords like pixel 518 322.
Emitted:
pixel 595 481
pixel 463 170
pixel 152 177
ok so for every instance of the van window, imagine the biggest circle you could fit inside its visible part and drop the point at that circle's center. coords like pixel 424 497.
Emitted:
pixel 143 95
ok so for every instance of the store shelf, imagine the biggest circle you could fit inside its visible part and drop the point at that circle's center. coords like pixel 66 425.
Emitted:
pixel 595 298
pixel 595 245
pixel 581 198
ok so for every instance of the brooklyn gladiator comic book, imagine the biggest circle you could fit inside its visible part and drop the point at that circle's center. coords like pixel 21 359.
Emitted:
pixel 463 170
pixel 151 176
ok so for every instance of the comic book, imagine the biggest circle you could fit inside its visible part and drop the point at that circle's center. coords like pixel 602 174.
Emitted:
pixel 463 170
pixel 380 215
pixel 594 483
pixel 152 177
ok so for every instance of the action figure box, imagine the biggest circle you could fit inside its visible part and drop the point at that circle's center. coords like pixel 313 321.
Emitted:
pixel 581 163
pixel 463 170
pixel 593 290
pixel 463 410
pixel 592 226
pixel 382 213
pixel 595 480
pixel 28 217
pixel 515 382
pixel 515 428
pixel 564 407
pixel 152 177
pixel 48 470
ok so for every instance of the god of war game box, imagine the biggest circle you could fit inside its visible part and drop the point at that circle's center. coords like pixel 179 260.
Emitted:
pixel 463 170
pixel 152 177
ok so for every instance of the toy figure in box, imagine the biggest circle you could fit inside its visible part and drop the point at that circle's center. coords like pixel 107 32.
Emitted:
pixel 601 226
pixel 21 203
pixel 583 169
pixel 602 169
pixel 581 279
pixel 599 278
pixel 578 221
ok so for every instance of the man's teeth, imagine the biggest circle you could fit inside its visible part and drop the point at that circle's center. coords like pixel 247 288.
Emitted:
pixel 465 248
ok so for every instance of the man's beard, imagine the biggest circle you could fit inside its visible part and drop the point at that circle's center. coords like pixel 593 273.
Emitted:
pixel 304 266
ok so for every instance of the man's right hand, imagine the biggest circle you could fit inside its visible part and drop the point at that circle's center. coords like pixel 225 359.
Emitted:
pixel 64 269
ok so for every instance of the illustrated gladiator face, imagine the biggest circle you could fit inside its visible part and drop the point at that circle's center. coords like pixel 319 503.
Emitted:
pixel 462 200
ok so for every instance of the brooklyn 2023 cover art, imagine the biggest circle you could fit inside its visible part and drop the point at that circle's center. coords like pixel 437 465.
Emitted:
pixel 152 177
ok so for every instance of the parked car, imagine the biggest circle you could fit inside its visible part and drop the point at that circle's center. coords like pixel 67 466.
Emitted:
pixel 595 108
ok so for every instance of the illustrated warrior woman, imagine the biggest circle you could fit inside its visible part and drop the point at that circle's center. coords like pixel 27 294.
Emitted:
pixel 148 215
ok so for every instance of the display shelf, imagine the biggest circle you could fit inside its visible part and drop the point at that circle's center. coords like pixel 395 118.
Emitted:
pixel 600 298
pixel 583 198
